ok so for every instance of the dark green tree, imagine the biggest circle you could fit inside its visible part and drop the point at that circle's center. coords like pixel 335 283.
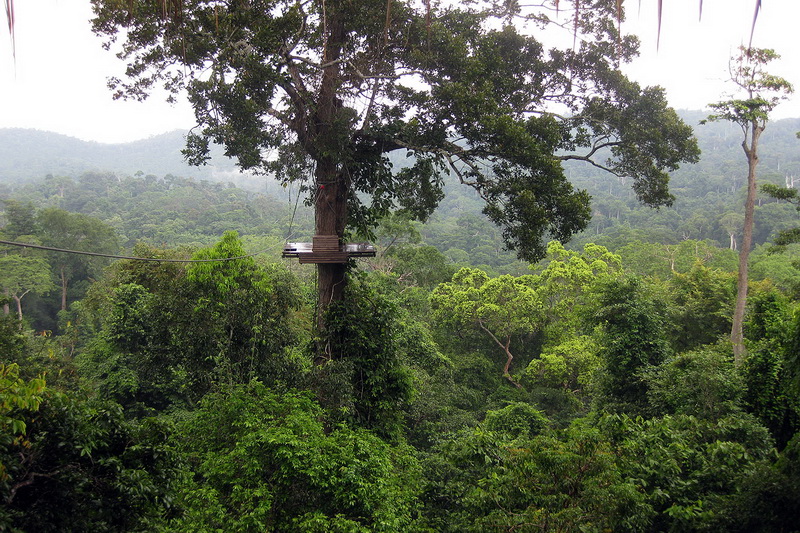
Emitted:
pixel 266 462
pixel 508 475
pixel 82 467
pixel 633 339
pixel 703 383
pixel 322 92
pixel 768 500
pixel 166 334
pixel 69 461
pixel 702 303
pixel 371 381
pixel 768 369
pixel 686 468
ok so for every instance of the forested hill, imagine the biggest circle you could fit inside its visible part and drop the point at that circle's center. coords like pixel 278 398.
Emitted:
pixel 27 155
pixel 708 195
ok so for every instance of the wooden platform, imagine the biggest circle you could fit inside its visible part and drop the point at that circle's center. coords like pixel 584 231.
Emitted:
pixel 326 249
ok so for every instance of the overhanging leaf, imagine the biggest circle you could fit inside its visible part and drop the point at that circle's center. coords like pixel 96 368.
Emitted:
pixel 10 17
pixel 755 17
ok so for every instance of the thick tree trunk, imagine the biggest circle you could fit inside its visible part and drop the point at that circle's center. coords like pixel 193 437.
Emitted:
pixel 332 187
pixel 737 330
pixel 331 214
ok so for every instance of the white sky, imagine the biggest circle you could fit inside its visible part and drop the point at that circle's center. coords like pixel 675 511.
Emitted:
pixel 691 62
pixel 59 81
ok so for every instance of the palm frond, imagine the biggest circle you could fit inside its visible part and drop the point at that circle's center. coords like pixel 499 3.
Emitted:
pixel 10 17
pixel 755 17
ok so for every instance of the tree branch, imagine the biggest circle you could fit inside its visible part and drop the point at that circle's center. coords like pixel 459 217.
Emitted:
pixel 31 479
pixel 506 349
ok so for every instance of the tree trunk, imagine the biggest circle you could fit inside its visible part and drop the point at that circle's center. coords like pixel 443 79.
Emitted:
pixel 737 331
pixel 507 349
pixel 64 284
pixel 332 187
pixel 507 367
pixel 19 306
pixel 331 213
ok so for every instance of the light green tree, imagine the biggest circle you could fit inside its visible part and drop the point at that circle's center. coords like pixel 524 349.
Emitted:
pixel 16 395
pixel 21 275
pixel 501 307
pixel 75 231
pixel 568 284
pixel 569 365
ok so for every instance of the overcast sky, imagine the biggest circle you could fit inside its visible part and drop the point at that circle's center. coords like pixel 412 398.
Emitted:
pixel 59 80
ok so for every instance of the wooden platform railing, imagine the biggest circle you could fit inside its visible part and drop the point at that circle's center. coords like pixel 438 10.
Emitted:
pixel 326 249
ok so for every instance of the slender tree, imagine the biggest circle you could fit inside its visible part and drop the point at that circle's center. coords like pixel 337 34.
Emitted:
pixel 762 92
pixel 732 223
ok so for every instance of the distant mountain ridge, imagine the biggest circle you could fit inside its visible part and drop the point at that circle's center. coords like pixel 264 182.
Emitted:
pixel 28 154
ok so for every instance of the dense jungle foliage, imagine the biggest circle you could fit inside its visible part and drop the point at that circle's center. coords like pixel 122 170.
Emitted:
pixel 593 391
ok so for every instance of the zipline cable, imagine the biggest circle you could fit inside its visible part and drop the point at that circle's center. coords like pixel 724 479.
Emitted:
pixel 113 256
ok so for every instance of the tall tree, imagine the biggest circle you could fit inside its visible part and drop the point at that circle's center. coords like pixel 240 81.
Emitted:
pixel 732 223
pixel 322 92
pixel 762 92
